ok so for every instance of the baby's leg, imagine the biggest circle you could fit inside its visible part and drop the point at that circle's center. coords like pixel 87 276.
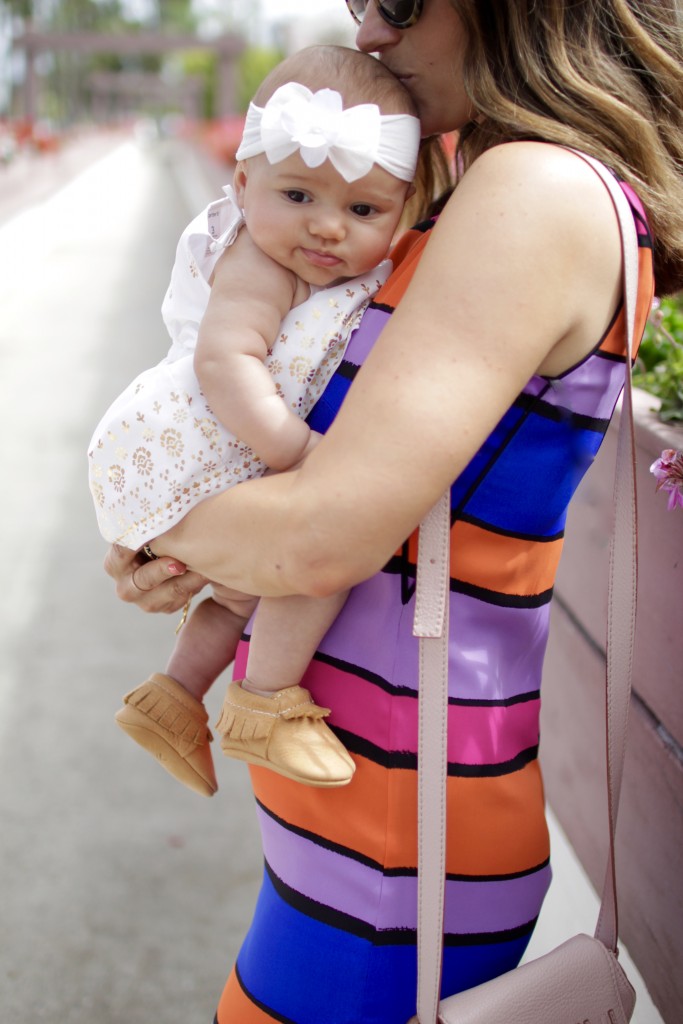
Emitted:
pixel 207 642
pixel 286 634
pixel 268 719
pixel 165 714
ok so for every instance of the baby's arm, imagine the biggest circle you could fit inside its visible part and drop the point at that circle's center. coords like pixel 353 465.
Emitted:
pixel 250 295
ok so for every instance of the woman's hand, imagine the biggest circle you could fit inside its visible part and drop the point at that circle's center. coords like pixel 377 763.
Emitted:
pixel 160 585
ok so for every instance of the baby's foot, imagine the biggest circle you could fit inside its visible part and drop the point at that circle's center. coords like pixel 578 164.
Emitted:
pixel 171 724
pixel 284 732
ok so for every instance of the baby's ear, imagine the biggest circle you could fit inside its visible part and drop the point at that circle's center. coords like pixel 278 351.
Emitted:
pixel 239 181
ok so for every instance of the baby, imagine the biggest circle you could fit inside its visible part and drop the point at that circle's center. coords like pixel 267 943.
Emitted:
pixel 267 286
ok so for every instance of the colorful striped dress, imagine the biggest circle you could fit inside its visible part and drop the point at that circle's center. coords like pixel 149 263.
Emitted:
pixel 333 936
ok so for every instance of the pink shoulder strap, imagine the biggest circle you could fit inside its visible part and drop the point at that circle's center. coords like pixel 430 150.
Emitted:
pixel 431 626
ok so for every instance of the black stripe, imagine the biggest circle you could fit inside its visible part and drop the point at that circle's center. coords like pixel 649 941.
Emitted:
pixel 383 307
pixel 398 565
pixel 490 771
pixel 347 370
pixel 406 759
pixel 495 597
pixel 320 912
pixel 363 673
pixel 370 862
pixel 326 844
pixel 491 938
pixel 384 936
pixel 257 1002
pixel 424 226
pixel 645 241
pixel 560 413
pixel 502 702
pixel 612 357
pixel 454 877
pixel 500 531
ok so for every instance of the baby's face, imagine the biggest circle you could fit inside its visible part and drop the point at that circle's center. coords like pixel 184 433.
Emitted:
pixel 315 223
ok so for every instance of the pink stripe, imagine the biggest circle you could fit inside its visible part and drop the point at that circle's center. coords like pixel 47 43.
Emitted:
pixel 634 200
pixel 477 735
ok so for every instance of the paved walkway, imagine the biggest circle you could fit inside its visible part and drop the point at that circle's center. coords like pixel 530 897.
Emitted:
pixel 124 896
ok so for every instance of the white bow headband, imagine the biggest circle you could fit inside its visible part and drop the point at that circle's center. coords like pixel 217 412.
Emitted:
pixel 314 124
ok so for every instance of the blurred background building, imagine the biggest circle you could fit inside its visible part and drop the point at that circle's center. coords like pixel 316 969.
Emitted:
pixel 70 64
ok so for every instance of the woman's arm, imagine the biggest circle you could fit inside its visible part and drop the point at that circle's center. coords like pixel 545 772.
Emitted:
pixel 521 275
pixel 250 295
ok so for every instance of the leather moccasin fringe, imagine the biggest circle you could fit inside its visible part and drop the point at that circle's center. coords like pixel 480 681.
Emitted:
pixel 161 716
pixel 286 733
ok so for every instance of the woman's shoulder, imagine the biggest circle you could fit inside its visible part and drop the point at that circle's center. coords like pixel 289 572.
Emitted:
pixel 535 175
pixel 533 200
pixel 518 200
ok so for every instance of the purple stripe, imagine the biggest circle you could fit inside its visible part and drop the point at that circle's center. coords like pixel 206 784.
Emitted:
pixel 495 652
pixel 365 337
pixel 344 884
pixel 591 389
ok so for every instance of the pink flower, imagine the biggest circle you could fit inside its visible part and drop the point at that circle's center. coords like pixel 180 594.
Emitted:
pixel 668 470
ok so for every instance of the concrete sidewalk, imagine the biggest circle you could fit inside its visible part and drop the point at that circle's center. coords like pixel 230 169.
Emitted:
pixel 124 896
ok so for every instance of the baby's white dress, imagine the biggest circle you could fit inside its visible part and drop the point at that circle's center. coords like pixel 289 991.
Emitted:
pixel 159 449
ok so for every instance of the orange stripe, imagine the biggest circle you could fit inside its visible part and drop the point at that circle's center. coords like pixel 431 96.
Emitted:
pixel 508 565
pixel 236 1008
pixel 494 827
pixel 405 256
pixel 614 342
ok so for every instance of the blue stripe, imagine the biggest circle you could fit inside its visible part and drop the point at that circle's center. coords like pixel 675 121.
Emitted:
pixel 325 974
pixel 551 457
pixel 328 405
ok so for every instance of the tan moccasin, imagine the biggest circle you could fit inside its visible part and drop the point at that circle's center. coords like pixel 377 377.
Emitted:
pixel 171 724
pixel 285 733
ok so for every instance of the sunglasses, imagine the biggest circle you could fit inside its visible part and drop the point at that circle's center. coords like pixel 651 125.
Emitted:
pixel 398 13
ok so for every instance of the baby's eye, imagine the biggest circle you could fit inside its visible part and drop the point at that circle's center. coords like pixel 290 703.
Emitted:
pixel 363 210
pixel 295 195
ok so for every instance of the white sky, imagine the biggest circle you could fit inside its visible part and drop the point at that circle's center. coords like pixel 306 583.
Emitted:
pixel 273 9
pixel 303 21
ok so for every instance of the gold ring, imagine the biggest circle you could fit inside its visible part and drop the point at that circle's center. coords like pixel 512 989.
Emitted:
pixel 137 587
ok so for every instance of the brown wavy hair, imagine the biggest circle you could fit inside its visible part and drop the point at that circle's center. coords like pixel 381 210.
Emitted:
pixel 602 76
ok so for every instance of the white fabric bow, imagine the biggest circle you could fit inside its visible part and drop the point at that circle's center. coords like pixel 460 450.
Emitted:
pixel 315 124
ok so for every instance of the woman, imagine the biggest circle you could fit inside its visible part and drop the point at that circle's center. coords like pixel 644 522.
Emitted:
pixel 496 376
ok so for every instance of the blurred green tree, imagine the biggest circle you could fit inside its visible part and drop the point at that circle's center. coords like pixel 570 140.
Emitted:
pixel 254 65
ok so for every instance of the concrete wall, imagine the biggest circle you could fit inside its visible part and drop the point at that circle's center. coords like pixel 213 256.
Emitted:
pixel 650 830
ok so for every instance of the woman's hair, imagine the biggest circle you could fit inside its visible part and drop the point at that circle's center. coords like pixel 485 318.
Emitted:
pixel 359 77
pixel 602 76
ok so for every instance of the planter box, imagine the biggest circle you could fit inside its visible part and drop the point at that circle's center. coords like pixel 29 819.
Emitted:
pixel 650 831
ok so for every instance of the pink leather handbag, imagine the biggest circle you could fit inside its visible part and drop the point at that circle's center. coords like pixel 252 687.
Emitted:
pixel 580 982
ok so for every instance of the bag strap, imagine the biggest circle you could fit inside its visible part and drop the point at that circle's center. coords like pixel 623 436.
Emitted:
pixel 431 626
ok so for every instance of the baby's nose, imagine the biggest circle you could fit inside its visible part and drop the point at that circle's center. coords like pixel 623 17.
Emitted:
pixel 328 224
